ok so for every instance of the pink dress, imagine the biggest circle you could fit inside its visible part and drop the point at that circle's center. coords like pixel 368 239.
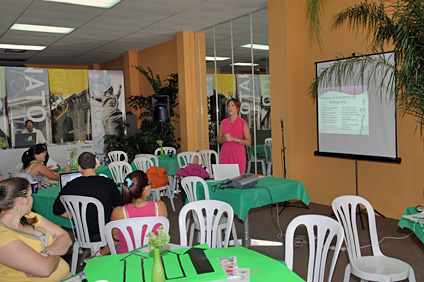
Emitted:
pixel 148 210
pixel 233 152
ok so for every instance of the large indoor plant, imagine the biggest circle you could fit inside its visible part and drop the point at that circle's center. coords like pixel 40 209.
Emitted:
pixel 399 26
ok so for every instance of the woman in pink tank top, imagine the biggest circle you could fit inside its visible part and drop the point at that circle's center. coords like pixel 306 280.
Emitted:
pixel 134 194
pixel 234 134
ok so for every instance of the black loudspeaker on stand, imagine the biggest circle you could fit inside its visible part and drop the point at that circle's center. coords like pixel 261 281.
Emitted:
pixel 160 107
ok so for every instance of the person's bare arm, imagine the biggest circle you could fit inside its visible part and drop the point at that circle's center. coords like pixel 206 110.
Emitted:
pixel 42 169
pixel 20 256
pixel 62 241
pixel 220 138
pixel 247 136
pixel 162 209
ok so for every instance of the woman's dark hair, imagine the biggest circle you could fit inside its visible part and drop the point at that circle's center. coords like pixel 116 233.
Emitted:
pixel 138 181
pixel 29 155
pixel 236 102
pixel 47 155
pixel 10 190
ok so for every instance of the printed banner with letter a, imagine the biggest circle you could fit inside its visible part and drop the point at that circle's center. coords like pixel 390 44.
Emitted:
pixel 70 105
pixel 107 104
pixel 28 98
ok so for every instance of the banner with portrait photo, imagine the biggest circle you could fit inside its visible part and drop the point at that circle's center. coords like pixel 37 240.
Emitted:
pixel 4 122
pixel 70 104
pixel 107 97
pixel 28 98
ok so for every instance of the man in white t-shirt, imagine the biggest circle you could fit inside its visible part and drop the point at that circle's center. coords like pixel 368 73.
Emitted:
pixel 29 125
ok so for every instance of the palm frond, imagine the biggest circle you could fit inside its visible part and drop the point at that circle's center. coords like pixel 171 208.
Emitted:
pixel 314 11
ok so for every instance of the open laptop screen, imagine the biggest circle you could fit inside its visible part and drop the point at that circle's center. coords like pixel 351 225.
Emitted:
pixel 225 171
pixel 25 140
pixel 64 178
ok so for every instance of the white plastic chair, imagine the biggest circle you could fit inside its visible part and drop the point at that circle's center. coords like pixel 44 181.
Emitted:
pixel 208 223
pixel 253 159
pixel 376 267
pixel 19 166
pixel 321 232
pixel 157 191
pixel 207 159
pixel 268 158
pixel 190 185
pixel 166 150
pixel 268 140
pixel 136 228
pixel 186 158
pixel 76 207
pixel 117 156
pixel 22 175
pixel 143 164
pixel 149 156
pixel 119 171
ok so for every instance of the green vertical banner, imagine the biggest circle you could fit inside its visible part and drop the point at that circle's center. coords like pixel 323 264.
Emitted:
pixel 28 97
pixel 4 122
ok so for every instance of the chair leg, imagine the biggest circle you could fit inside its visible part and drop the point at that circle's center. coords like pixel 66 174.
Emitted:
pixel 347 273
pixel 411 276
pixel 263 167
pixel 234 233
pixel 190 243
pixel 171 197
pixel 249 164
pixel 74 263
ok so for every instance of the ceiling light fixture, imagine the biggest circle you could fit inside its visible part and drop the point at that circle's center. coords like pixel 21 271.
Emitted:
pixel 22 47
pixel 217 58
pixel 244 64
pixel 256 46
pixel 92 3
pixel 41 28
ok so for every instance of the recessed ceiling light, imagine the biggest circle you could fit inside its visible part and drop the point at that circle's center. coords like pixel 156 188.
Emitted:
pixel 244 64
pixel 22 47
pixel 41 28
pixel 217 58
pixel 92 3
pixel 256 46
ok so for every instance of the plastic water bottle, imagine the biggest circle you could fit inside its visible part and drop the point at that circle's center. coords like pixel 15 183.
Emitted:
pixel 68 162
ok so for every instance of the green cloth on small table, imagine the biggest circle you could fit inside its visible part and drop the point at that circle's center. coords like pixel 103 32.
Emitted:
pixel 260 151
pixel 414 226
pixel 280 189
pixel 138 265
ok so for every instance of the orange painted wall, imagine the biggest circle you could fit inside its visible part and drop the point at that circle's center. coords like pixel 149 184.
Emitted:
pixel 389 187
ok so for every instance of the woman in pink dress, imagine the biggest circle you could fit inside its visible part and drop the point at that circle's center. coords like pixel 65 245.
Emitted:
pixel 234 134
pixel 135 191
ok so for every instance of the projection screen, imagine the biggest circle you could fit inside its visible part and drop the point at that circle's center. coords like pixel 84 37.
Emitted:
pixel 356 117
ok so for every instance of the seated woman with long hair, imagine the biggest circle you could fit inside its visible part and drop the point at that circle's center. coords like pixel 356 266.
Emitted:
pixel 135 191
pixel 33 164
pixel 30 245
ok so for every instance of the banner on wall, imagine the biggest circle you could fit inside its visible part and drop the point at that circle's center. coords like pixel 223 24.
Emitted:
pixel 107 97
pixel 4 122
pixel 70 104
pixel 28 98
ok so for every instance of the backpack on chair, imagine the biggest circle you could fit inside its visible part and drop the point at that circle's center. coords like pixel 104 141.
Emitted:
pixel 158 176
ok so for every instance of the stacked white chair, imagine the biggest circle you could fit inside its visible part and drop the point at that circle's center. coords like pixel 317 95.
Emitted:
pixel 321 232
pixel 186 158
pixel 166 150
pixel 76 207
pixel 143 164
pixel 190 185
pixel 119 170
pixel 139 227
pixel 149 156
pixel 117 156
pixel 268 158
pixel 253 159
pixel 212 212
pixel 376 267
pixel 207 156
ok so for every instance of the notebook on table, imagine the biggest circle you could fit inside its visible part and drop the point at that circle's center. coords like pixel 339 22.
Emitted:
pixel 225 171
pixel 64 178
pixel 25 140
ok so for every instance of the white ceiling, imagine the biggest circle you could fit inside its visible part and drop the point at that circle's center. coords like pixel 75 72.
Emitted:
pixel 102 35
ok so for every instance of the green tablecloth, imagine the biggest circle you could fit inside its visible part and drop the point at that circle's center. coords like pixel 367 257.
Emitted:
pixel 170 164
pixel 43 204
pixel 179 267
pixel 279 189
pixel 260 151
pixel 414 226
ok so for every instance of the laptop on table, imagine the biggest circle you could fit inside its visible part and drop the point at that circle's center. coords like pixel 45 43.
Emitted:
pixel 64 178
pixel 225 171
pixel 25 140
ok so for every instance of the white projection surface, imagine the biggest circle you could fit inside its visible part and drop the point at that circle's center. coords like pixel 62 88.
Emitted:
pixel 358 118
